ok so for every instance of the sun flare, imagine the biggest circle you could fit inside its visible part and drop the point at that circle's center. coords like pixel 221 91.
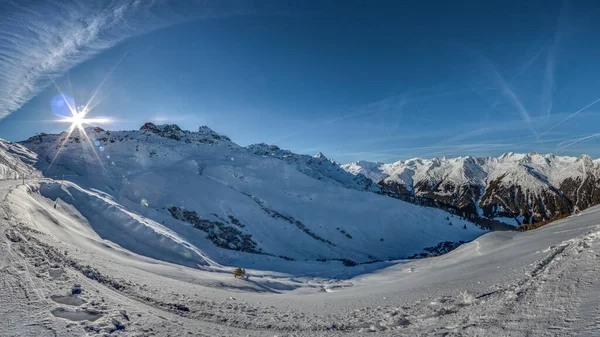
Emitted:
pixel 77 120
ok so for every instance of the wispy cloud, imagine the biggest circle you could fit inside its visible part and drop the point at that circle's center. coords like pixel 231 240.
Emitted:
pixel 391 155
pixel 44 39
pixel 395 103
pixel 549 84
pixel 509 93
pixel 390 106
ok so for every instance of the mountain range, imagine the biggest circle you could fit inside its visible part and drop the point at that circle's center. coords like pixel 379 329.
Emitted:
pixel 201 200
pixel 198 199
pixel 513 188
pixel 99 226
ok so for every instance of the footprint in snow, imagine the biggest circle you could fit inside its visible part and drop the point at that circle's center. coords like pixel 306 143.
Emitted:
pixel 77 315
pixel 68 300
pixel 55 272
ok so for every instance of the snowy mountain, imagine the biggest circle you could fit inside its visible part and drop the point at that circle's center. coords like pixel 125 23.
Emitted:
pixel 60 277
pixel 106 251
pixel 198 199
pixel 513 188
pixel 317 166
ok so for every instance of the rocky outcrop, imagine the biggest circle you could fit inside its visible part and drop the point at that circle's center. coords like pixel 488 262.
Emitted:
pixel 173 131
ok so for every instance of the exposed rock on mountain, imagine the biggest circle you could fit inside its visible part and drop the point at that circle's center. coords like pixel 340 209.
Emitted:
pixel 513 188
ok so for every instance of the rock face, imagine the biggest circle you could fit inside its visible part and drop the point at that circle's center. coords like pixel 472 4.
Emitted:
pixel 173 131
pixel 513 188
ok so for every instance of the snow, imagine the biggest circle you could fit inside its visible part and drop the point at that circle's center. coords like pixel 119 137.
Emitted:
pixel 266 206
pixel 534 173
pixel 114 223
pixel 524 169
pixel 510 221
pixel 317 166
pixel 15 160
pixel 86 256
pixel 502 283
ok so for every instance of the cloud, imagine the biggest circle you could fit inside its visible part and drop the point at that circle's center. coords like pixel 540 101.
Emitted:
pixel 393 103
pixel 549 84
pixel 389 106
pixel 40 40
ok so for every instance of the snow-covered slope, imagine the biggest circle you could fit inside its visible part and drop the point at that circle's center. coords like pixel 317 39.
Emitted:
pixel 211 202
pixel 317 166
pixel 60 278
pixel 15 160
pixel 515 188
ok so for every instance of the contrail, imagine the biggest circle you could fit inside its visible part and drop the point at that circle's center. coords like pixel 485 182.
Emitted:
pixel 508 91
pixel 570 116
pixel 570 143
pixel 549 85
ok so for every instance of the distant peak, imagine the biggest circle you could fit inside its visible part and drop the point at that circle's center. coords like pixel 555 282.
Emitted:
pixel 149 127
pixel 320 155
pixel 169 127
pixel 584 157
pixel 163 127
pixel 205 129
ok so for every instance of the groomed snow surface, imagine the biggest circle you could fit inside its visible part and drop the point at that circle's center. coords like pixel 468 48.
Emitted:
pixel 58 277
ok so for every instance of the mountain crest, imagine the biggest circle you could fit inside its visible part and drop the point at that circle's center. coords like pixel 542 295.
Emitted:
pixel 173 131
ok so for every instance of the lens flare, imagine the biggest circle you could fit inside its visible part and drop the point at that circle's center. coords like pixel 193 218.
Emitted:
pixel 62 105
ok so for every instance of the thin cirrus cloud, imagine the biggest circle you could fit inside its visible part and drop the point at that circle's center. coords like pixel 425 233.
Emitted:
pixel 44 39
pixel 549 85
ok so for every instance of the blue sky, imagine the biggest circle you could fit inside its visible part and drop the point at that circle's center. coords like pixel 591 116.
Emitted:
pixel 379 81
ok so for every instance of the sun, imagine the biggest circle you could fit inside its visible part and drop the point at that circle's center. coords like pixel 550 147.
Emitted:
pixel 77 119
